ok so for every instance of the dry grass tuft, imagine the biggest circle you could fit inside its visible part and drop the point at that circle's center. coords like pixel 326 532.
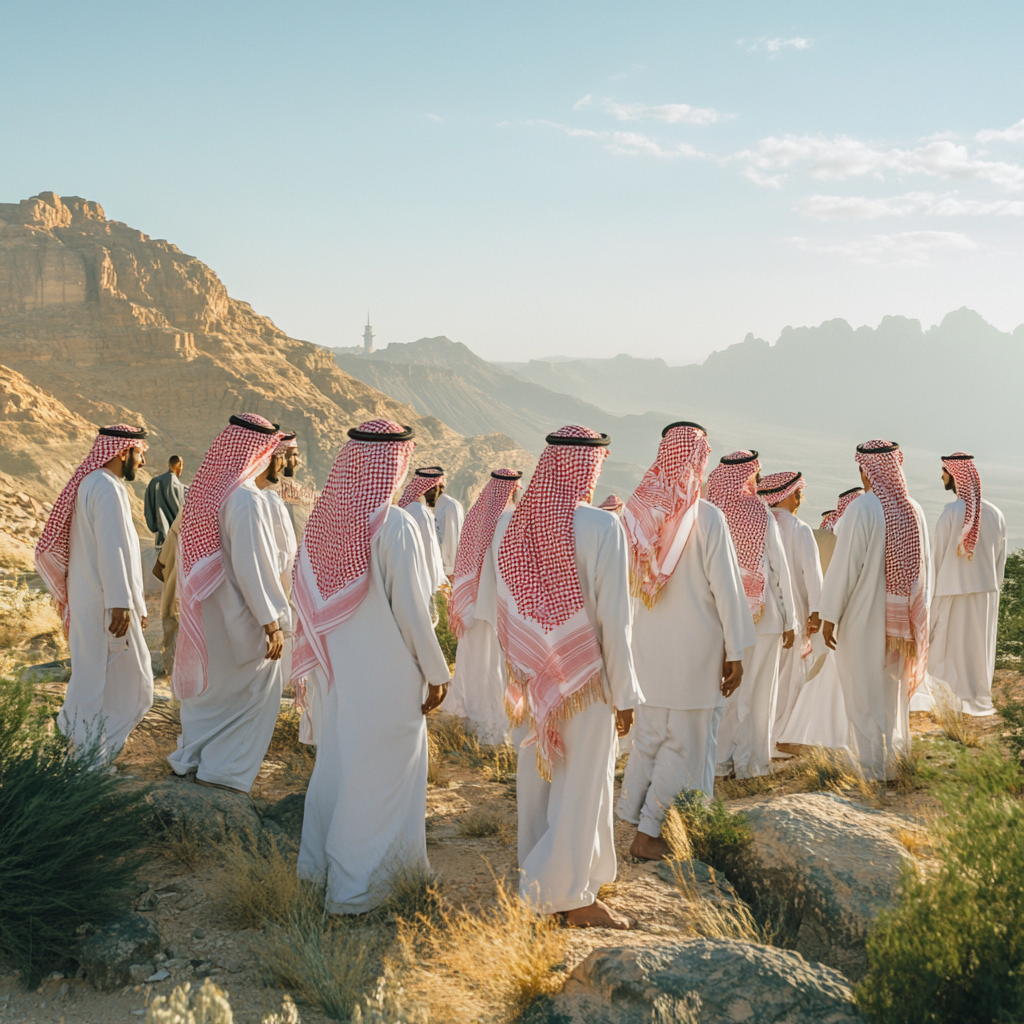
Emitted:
pixel 450 734
pixel 736 789
pixel 480 824
pixel 185 842
pixel 957 726
pixel 827 770
pixel 490 964
pixel 257 885
pixel 501 764
pixel 674 832
pixel 26 615
pixel 914 840
pixel 410 891
pixel 905 770
pixel 437 767
pixel 209 1005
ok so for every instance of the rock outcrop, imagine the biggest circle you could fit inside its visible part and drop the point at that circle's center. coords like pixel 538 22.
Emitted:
pixel 115 326
pixel 109 955
pixel 710 981
pixel 821 868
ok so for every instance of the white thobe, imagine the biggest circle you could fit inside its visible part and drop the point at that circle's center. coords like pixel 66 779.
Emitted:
pixel 226 730
pixel 287 545
pixel 367 799
pixel 701 617
pixel 566 840
pixel 423 516
pixel 965 609
pixel 853 597
pixel 111 684
pixel 478 687
pixel 805 574
pixel 744 739
pixel 448 517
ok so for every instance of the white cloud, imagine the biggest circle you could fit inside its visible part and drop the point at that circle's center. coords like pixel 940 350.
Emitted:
pixel 1015 133
pixel 927 203
pixel 906 248
pixel 775 46
pixel 670 113
pixel 434 119
pixel 627 143
pixel 840 157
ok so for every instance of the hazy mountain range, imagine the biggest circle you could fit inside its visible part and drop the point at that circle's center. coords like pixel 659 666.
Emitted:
pixel 803 402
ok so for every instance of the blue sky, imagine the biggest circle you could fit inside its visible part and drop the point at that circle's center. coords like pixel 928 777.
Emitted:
pixel 541 178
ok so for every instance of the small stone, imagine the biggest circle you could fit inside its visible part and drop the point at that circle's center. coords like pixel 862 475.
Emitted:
pixel 140 972
pixel 198 933
pixel 56 976
pixel 162 975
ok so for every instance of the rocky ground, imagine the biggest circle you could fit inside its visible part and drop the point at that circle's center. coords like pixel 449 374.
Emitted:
pixel 829 860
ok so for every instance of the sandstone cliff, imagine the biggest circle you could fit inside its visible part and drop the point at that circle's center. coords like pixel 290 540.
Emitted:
pixel 115 325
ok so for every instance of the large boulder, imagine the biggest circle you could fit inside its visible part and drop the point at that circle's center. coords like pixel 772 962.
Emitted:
pixel 211 814
pixel 820 869
pixel 713 981
pixel 108 955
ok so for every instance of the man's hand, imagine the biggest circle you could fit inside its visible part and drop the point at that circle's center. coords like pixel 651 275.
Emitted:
pixel 732 676
pixel 788 639
pixel 119 620
pixel 275 640
pixel 624 721
pixel 434 698
pixel 813 623
pixel 828 634
pixel 145 622
pixel 158 570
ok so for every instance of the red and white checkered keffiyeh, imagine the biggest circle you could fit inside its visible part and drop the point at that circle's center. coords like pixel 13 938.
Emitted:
pixel 477 534
pixel 424 479
pixel 237 454
pixel 553 655
pixel 289 441
pixel 332 567
pixel 660 515
pixel 54 547
pixel 732 487
pixel 960 466
pixel 613 503
pixel 906 615
pixel 775 488
pixel 833 516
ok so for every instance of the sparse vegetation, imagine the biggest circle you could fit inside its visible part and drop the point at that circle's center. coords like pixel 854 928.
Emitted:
pixel 27 614
pixel 713 831
pixel 445 637
pixel 953 949
pixel 70 838
pixel 437 768
pixel 481 824
pixel 1011 711
pixel 957 726
pixel 1010 632
pixel 184 840
pixel 826 770
pixel 257 884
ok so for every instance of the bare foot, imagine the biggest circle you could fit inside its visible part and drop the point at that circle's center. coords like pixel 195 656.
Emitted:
pixel 647 847
pixel 597 915
pixel 788 748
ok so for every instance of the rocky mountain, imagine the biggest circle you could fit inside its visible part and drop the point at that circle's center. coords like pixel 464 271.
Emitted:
pixel 99 323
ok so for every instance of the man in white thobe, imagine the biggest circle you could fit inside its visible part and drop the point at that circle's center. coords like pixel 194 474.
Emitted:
pixel 361 593
pixel 690 629
pixel 478 686
pixel 744 738
pixel 449 516
pixel 564 623
pixel 227 668
pixel 783 493
pixel 90 559
pixel 874 609
pixel 969 558
pixel 413 501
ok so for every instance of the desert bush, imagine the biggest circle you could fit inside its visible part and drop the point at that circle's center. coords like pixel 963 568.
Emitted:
pixel 490 963
pixel 713 831
pixel 410 891
pixel 1011 711
pixel 952 951
pixel 70 839
pixel 445 637
pixel 209 1005
pixel 437 767
pixel 480 824
pixel 1010 631
pixel 25 614
pixel 502 764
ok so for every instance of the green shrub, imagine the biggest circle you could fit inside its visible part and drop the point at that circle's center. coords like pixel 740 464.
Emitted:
pixel 713 830
pixel 445 637
pixel 952 951
pixel 1010 634
pixel 1011 711
pixel 70 836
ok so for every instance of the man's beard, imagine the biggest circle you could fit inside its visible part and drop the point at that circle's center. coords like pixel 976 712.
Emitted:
pixel 289 471
pixel 129 471
pixel 272 478
pixel 951 486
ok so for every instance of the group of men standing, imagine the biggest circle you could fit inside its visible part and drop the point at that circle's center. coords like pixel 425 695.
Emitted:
pixel 693 614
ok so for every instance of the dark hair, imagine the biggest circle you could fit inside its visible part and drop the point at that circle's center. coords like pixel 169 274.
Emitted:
pixel 174 460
